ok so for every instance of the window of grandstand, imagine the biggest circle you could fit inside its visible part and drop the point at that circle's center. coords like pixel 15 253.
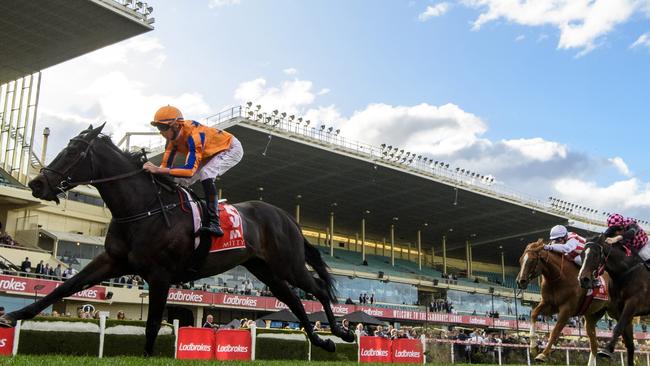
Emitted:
pixel 481 304
pixel 385 292
pixel 77 254
pixel 84 198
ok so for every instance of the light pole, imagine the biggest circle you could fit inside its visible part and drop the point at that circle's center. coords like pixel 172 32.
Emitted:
pixel 36 289
pixel 142 296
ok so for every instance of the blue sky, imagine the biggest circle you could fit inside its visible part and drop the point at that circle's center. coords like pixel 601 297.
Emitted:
pixel 549 97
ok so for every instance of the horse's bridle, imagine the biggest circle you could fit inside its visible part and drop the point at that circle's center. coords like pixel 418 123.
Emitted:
pixel 66 182
pixel 532 274
pixel 602 257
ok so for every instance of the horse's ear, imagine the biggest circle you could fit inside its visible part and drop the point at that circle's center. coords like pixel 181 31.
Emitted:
pixel 94 132
pixel 89 127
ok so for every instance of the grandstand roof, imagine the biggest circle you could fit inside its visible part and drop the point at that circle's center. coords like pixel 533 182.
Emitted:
pixel 323 176
pixel 40 34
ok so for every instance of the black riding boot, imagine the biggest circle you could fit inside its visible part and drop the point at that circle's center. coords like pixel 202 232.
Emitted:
pixel 213 208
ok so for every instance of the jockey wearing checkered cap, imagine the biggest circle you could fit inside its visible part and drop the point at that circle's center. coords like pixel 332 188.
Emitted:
pixel 564 241
pixel 630 234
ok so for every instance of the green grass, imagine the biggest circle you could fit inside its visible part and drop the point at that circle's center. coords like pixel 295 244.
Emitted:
pixel 141 361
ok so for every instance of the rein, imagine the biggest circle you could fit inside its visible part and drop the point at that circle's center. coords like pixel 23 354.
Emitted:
pixel 67 184
pixel 547 261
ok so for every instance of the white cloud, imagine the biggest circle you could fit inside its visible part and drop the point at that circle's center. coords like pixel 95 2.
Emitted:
pixel 323 91
pixel 582 23
pixel 520 37
pixel 620 165
pixel 219 3
pixel 642 41
pixel 538 148
pixel 628 196
pixel 290 97
pixel 433 11
pixel 290 71
pixel 120 53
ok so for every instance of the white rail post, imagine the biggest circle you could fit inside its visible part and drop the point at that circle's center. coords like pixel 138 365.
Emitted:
pixel 452 351
pixel 253 337
pixel 102 332
pixel 424 348
pixel 528 356
pixel 499 349
pixel 357 333
pixel 14 351
pixel 567 357
pixel 176 324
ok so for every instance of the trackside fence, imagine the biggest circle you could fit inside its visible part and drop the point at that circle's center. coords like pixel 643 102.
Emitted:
pixel 280 344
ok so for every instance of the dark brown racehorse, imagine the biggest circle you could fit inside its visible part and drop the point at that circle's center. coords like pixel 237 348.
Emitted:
pixel 151 236
pixel 561 294
pixel 630 290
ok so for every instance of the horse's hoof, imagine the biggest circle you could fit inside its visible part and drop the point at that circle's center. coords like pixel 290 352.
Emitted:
pixel 603 353
pixel 540 358
pixel 328 345
pixel 348 337
pixel 7 321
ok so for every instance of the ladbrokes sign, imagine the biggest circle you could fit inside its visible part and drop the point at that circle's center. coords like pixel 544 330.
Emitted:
pixel 195 344
pixel 378 349
pixel 6 341
pixel 206 344
pixel 233 344
pixel 27 285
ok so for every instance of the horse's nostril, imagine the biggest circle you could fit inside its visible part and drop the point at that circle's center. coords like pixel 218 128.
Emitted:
pixel 36 186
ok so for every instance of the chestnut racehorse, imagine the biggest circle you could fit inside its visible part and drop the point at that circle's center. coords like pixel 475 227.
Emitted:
pixel 561 294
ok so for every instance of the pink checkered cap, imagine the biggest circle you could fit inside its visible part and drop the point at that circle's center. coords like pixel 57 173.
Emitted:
pixel 615 220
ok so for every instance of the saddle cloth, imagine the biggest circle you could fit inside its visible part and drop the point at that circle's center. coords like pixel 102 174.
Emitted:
pixel 601 293
pixel 231 224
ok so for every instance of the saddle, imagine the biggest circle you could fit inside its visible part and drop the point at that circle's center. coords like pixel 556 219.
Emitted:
pixel 229 218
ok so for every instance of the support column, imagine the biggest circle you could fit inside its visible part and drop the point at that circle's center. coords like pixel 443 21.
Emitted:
pixel 503 266
pixel 219 194
pixel 467 259
pixel 198 322
pixel 420 249
pixel 444 254
pixel 363 239
pixel 298 213
pixel 392 245
pixel 471 264
pixel 332 233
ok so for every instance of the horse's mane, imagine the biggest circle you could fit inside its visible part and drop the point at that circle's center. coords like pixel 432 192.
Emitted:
pixel 137 158
pixel 536 245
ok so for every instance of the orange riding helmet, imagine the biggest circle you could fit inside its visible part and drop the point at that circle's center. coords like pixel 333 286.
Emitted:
pixel 167 115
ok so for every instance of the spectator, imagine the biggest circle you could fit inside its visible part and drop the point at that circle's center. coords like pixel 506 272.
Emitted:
pixel 5 238
pixel 360 298
pixel 349 301
pixel 47 269
pixel 58 272
pixel 379 331
pixel 209 319
pixel 393 334
pixel 39 268
pixel 345 324
pixel 372 299
pixel 361 330
pixel 121 315
pixel 26 265
pixel 317 326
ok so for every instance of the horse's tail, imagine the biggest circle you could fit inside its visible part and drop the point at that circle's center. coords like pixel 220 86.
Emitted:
pixel 314 259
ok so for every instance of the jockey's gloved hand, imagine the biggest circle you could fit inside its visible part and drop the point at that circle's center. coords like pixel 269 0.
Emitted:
pixel 547 247
pixel 614 239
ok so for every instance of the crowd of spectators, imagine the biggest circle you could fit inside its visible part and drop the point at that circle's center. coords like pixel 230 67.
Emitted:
pixel 5 238
pixel 441 306
pixel 365 299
